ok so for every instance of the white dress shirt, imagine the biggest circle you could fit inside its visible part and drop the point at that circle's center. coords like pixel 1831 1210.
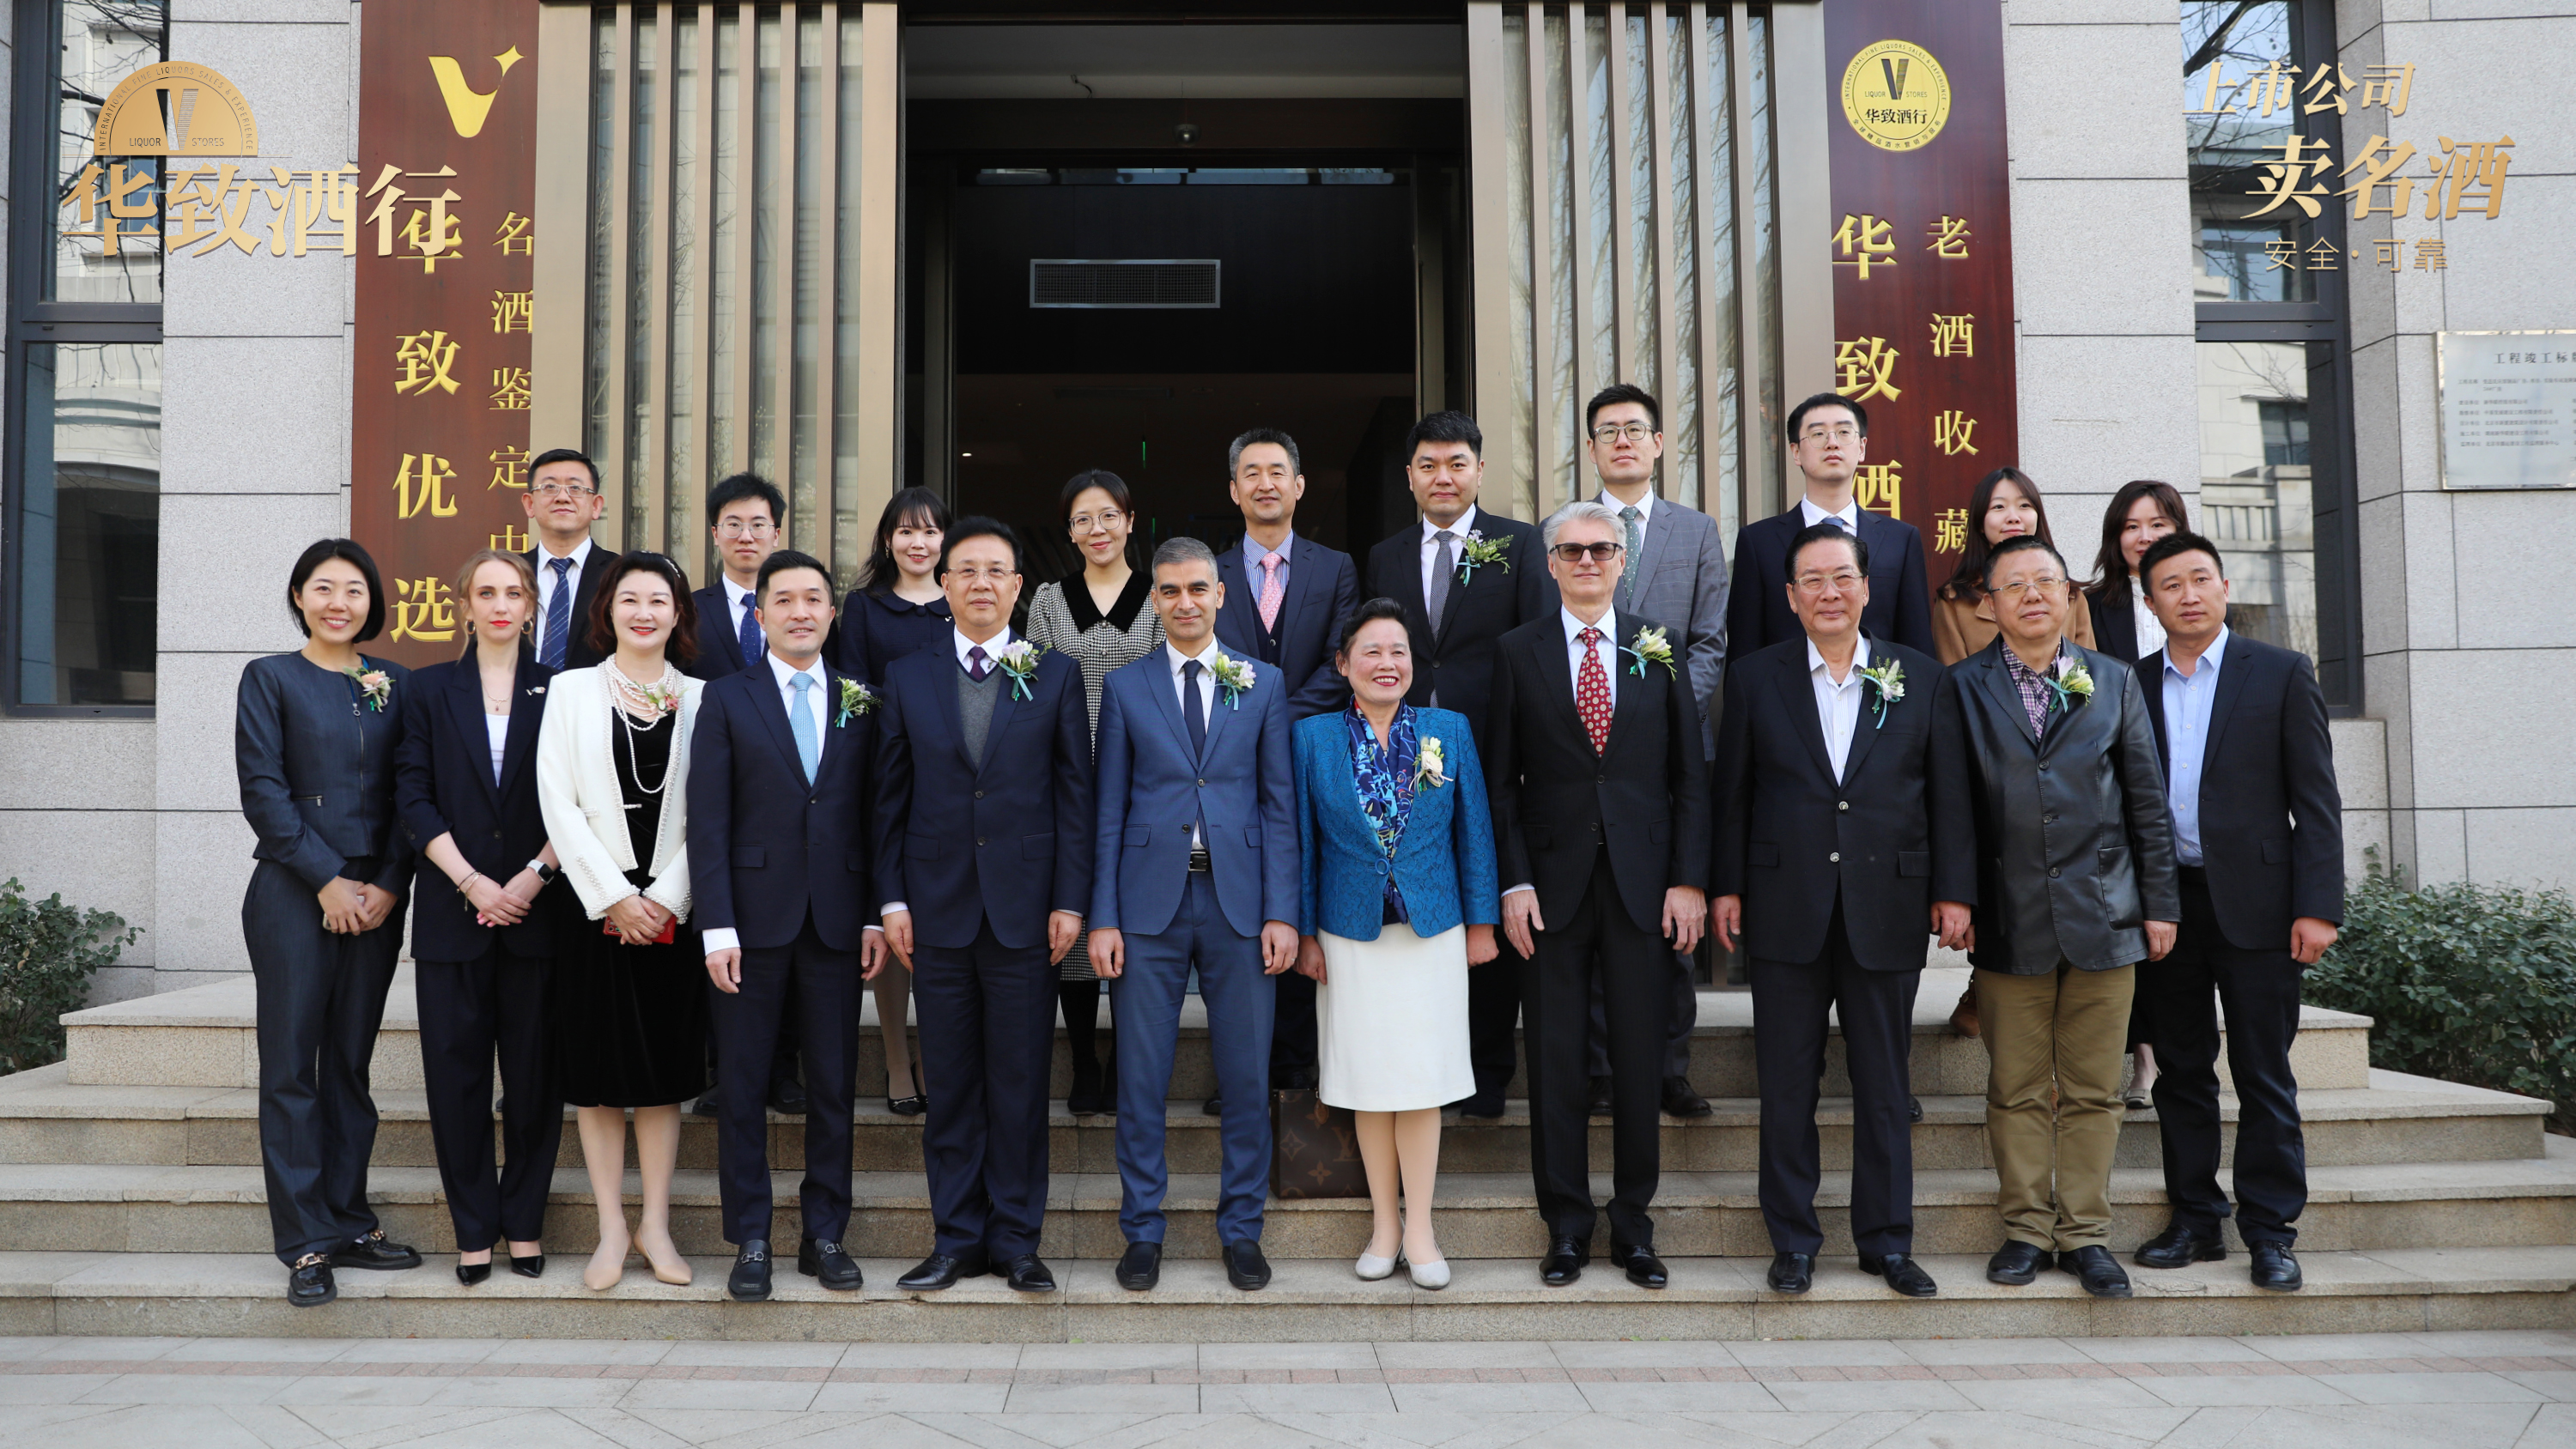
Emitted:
pixel 1457 545
pixel 2151 630
pixel 724 938
pixel 734 595
pixel 1608 649
pixel 1809 515
pixel 1838 705
pixel 2187 701
pixel 1205 704
pixel 580 557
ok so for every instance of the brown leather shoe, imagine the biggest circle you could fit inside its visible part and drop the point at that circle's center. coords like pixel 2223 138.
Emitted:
pixel 1963 1017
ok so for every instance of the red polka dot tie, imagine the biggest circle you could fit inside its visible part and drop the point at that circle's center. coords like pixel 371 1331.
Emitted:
pixel 1592 691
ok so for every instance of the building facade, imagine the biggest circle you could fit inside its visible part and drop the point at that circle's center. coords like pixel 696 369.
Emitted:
pixel 2290 256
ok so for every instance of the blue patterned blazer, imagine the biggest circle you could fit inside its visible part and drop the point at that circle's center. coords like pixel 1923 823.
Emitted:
pixel 1444 861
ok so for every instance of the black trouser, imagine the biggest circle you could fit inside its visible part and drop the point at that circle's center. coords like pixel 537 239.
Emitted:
pixel 1790 1003
pixel 1681 1017
pixel 782 1059
pixel 1494 993
pixel 824 986
pixel 1293 1048
pixel 2260 990
pixel 1601 941
pixel 468 1010
pixel 988 1014
pixel 321 1000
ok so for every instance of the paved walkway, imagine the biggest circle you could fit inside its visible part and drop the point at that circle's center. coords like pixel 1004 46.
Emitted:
pixel 2487 1390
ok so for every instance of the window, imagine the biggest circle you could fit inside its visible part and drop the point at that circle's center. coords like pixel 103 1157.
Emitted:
pixel 84 370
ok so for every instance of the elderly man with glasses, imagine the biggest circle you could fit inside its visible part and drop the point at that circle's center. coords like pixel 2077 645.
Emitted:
pixel 2052 746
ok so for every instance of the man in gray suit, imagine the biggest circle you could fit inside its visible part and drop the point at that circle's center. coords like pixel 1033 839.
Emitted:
pixel 1676 576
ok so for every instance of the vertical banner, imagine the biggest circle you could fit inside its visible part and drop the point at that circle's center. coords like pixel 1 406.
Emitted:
pixel 1922 251
pixel 447 111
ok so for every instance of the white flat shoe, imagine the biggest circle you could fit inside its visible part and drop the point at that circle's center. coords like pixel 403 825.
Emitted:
pixel 1373 1268
pixel 1434 1276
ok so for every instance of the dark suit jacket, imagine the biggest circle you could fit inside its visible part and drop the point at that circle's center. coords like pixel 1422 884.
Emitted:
pixel 1555 801
pixel 593 577
pixel 1888 837
pixel 443 786
pixel 1757 607
pixel 2074 844
pixel 1006 838
pixel 2271 818
pixel 1241 788
pixel 1323 587
pixel 764 846
pixel 2115 626
pixel 317 777
pixel 1458 663
pixel 719 636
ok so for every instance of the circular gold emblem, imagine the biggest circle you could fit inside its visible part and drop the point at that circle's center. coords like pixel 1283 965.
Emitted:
pixel 1895 95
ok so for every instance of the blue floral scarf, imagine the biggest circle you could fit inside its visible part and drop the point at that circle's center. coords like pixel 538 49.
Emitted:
pixel 1385 782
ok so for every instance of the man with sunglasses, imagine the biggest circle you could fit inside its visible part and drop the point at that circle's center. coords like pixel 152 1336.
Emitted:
pixel 1828 438
pixel 563 501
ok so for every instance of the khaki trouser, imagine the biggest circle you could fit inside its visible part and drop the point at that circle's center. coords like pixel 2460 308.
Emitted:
pixel 2061 1029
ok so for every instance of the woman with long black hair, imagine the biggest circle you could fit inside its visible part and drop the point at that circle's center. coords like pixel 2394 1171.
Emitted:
pixel 2005 505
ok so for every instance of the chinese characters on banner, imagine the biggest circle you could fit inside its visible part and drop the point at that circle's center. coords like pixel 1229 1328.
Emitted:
pixel 437 213
pixel 1922 252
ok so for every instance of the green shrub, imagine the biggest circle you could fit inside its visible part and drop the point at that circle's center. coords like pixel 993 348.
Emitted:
pixel 2466 983
pixel 48 952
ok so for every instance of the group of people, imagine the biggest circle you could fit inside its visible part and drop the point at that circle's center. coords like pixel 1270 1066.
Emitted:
pixel 658 844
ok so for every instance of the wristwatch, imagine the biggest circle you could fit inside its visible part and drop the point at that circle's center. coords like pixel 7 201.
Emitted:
pixel 545 873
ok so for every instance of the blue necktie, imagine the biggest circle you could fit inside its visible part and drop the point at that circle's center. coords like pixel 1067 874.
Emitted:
pixel 558 616
pixel 751 640
pixel 1190 711
pixel 800 720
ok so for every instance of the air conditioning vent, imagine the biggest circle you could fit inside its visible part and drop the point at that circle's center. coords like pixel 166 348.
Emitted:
pixel 1150 283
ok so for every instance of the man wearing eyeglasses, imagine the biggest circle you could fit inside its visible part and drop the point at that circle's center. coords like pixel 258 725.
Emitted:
pixel 746 513
pixel 563 501
pixel 1828 439
pixel 2052 746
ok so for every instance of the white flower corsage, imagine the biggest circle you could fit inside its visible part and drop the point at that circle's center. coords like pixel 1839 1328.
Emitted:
pixel 1651 647
pixel 1233 675
pixel 374 686
pixel 1020 661
pixel 856 698
pixel 1479 551
pixel 2072 682
pixel 1889 680
pixel 1431 767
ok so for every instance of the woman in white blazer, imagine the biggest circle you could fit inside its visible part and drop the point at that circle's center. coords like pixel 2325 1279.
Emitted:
pixel 629 1002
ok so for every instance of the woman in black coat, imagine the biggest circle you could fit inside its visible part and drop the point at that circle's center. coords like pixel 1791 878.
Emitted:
pixel 467 792
pixel 314 734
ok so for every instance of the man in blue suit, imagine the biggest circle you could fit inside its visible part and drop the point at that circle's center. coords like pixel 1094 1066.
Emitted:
pixel 1194 864
pixel 1285 600
pixel 778 867
pixel 983 854
pixel 1828 438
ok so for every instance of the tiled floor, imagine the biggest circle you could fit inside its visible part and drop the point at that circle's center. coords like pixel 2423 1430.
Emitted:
pixel 2495 1390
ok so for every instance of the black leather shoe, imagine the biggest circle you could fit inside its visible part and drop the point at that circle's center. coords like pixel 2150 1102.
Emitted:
pixel 787 1095
pixel 1681 1101
pixel 377 1252
pixel 309 1283
pixel 1245 1268
pixel 1791 1272
pixel 1643 1268
pixel 749 1282
pixel 2276 1267
pixel 532 1266
pixel 1599 1103
pixel 1213 1106
pixel 2097 1270
pixel 708 1104
pixel 1564 1261
pixel 1913 1108
pixel 1485 1102
pixel 2017 1264
pixel 1141 1267
pixel 825 1260
pixel 939 1270
pixel 1027 1273
pixel 2179 1247
pixel 1902 1274
pixel 470 1274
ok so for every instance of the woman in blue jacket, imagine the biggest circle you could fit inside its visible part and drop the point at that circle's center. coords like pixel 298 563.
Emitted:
pixel 1399 902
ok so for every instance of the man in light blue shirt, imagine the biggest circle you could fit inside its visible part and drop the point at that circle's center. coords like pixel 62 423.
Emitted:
pixel 2191 687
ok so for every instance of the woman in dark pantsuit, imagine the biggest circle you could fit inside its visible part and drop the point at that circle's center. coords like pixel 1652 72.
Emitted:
pixel 482 929
pixel 313 740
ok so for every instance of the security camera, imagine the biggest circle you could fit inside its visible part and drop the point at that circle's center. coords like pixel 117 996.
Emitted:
pixel 1187 134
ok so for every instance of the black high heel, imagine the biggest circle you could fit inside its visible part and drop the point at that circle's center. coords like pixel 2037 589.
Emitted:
pixel 470 1274
pixel 912 1106
pixel 532 1266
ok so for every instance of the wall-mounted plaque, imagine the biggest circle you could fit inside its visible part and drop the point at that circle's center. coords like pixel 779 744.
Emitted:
pixel 2508 402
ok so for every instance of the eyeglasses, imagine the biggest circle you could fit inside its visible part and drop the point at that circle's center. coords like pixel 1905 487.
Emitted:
pixel 997 573
pixel 1601 552
pixel 1613 432
pixel 1843 580
pixel 745 528
pixel 1107 518
pixel 1843 433
pixel 2016 592
pixel 562 490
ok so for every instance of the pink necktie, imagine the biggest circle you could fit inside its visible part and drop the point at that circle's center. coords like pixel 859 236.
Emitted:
pixel 1270 592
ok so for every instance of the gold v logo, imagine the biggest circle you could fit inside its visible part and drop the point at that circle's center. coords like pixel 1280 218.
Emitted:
pixel 1892 66
pixel 466 106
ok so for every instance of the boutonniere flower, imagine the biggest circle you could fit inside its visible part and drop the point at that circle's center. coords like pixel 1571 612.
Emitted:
pixel 1889 680
pixel 536 689
pixel 1650 647
pixel 1480 551
pixel 2071 681
pixel 374 686
pixel 1431 767
pixel 856 698
pixel 1020 661
pixel 1234 676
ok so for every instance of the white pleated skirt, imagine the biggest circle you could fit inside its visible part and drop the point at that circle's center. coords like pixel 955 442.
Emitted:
pixel 1391 1021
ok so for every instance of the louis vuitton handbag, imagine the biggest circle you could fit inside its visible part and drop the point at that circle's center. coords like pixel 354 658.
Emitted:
pixel 1315 1149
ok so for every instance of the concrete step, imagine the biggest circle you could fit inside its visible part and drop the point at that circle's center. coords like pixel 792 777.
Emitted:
pixel 149 1209
pixel 239 1295
pixel 203 1036
pixel 44 1117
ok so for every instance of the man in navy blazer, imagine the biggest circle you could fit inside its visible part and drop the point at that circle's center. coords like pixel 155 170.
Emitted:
pixel 2258 832
pixel 1194 864
pixel 562 502
pixel 1285 600
pixel 983 863
pixel 778 871
pixel 1828 438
